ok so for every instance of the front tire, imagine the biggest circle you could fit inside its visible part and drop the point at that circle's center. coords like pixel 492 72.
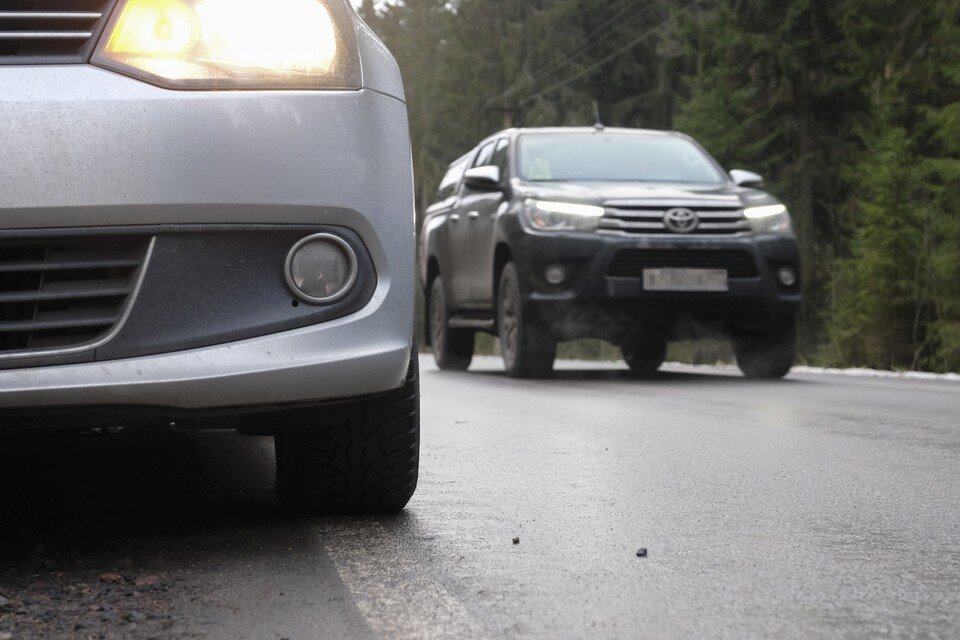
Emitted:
pixel 528 350
pixel 359 457
pixel 768 355
pixel 452 348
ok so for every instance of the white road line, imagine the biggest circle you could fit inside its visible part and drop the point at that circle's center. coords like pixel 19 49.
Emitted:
pixel 390 589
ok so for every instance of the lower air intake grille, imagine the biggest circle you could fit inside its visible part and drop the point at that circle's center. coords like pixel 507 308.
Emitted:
pixel 50 31
pixel 630 263
pixel 61 294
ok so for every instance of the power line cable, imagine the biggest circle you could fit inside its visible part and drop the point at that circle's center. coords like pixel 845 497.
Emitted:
pixel 592 40
pixel 627 47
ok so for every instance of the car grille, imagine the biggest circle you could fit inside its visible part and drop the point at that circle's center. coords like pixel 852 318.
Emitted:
pixel 50 31
pixel 630 263
pixel 649 219
pixel 68 293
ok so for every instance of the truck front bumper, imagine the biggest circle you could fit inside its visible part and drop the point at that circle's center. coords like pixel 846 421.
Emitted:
pixel 603 280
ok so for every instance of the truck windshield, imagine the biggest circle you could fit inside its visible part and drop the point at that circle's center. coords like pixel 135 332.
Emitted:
pixel 615 157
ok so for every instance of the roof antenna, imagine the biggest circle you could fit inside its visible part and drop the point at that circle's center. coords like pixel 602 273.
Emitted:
pixel 596 114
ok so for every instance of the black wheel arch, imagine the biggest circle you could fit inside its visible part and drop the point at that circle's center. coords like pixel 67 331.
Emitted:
pixel 432 272
pixel 502 255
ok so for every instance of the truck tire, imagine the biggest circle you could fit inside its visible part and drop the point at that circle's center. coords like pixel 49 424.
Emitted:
pixel 358 457
pixel 528 350
pixel 644 357
pixel 767 355
pixel 452 348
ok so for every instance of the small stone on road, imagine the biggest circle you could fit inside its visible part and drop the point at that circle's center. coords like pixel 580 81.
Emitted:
pixel 146 581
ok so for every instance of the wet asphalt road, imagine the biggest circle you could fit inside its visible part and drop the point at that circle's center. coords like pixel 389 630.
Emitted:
pixel 816 507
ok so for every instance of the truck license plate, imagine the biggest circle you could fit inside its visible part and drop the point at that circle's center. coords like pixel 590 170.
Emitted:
pixel 676 279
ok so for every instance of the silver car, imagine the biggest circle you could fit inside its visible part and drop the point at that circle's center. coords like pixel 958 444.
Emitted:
pixel 206 217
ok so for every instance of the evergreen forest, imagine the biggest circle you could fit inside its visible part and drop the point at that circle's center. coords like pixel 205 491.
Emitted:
pixel 849 108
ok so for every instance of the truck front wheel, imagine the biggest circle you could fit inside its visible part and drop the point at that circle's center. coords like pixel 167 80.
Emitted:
pixel 452 348
pixel 527 348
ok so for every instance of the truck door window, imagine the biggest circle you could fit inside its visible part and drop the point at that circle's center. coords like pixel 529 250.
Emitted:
pixel 450 182
pixel 483 158
pixel 500 157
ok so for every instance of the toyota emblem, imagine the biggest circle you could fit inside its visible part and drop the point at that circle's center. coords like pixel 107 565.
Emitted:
pixel 681 220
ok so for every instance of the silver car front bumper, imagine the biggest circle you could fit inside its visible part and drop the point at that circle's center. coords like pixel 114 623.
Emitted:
pixel 83 147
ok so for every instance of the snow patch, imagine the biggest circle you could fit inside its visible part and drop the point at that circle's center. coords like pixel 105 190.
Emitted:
pixel 878 373
pixel 494 361
pixel 855 372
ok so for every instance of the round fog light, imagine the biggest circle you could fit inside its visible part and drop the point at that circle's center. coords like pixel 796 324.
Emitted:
pixel 555 274
pixel 321 268
pixel 788 276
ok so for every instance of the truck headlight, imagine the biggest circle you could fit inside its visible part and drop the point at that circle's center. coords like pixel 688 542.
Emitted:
pixel 772 218
pixel 544 215
pixel 233 44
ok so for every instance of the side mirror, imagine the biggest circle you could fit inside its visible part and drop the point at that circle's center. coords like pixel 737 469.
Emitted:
pixel 485 178
pixel 746 178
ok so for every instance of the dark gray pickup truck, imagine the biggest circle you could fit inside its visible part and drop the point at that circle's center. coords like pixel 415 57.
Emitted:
pixel 545 235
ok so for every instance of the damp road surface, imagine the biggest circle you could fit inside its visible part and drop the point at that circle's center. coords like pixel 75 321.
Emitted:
pixel 817 507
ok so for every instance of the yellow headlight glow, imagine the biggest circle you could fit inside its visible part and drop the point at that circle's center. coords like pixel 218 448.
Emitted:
pixel 155 27
pixel 225 43
pixel 279 35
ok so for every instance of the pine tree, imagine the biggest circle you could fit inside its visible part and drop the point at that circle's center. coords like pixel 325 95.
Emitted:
pixel 769 94
pixel 850 108
pixel 897 292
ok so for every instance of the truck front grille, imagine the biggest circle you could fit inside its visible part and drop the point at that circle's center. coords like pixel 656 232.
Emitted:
pixel 65 293
pixel 649 219
pixel 630 263
pixel 50 31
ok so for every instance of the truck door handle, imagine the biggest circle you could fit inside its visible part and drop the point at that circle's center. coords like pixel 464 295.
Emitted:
pixel 454 217
pixel 473 215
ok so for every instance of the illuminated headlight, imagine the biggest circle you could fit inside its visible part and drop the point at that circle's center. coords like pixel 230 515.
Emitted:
pixel 232 44
pixel 321 268
pixel 772 218
pixel 561 216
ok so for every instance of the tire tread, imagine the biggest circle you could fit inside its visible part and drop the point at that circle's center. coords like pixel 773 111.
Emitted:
pixel 363 459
